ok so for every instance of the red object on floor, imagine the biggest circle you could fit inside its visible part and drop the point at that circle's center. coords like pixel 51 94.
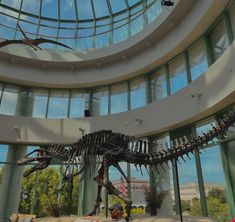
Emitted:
pixel 233 220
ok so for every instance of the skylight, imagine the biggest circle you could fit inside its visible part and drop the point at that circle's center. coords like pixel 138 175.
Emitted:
pixel 80 24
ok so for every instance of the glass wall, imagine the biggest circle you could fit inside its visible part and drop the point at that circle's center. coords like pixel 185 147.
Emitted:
pixel 178 75
pixel 9 100
pixel 37 103
pixel 119 98
pixel 139 186
pixel 198 59
pixel 138 92
pixel 163 176
pixel 219 39
pixel 40 195
pixel 158 85
pixel 187 173
pixel 79 102
pixel 3 158
pixel 58 104
pixel 213 177
pixel 127 95
pixel 100 101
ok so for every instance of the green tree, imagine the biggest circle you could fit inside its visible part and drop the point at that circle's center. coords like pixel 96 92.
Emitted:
pixel 195 207
pixel 217 194
pixel 218 210
pixel 185 205
pixel 46 196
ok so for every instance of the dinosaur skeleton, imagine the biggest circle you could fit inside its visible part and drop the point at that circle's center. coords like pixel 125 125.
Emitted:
pixel 112 148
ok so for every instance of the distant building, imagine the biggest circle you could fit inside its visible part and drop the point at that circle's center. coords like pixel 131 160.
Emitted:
pixel 138 187
pixel 191 190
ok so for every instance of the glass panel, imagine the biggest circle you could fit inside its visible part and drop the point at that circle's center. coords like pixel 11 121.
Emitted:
pixel 67 9
pixel 119 98
pixel 101 8
pixel 46 9
pixel 9 100
pixel 118 6
pixel 78 103
pixel 139 185
pixel 137 24
pixel 138 93
pixel 3 152
pixel 121 26
pixel 219 39
pixel 3 158
pixel 58 104
pixel 164 179
pixel 232 17
pixel 178 76
pixel 37 103
pixel 12 3
pixel 40 189
pixel 213 177
pixel 198 60
pixel 189 189
pixel 154 11
pixel 100 101
pixel 84 9
pixel 119 183
pixel 188 183
pixel 31 7
pixel 158 85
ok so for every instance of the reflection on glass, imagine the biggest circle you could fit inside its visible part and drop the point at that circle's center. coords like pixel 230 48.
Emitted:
pixel 78 103
pixel 37 103
pixel 178 75
pixel 100 101
pixel 9 100
pixel 219 39
pixel 198 60
pixel 163 176
pixel 119 98
pixel 58 104
pixel 158 85
pixel 213 177
pixel 138 93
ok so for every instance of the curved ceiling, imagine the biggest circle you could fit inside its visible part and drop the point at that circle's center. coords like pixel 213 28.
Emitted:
pixel 80 24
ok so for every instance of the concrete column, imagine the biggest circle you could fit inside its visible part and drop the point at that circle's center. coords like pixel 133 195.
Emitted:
pixel 11 185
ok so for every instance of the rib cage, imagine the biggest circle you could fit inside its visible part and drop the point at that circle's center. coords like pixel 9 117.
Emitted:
pixel 134 150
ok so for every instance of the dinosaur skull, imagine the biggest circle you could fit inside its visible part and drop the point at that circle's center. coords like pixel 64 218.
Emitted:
pixel 40 161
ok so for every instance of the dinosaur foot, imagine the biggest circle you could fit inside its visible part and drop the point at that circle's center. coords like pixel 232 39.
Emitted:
pixel 92 213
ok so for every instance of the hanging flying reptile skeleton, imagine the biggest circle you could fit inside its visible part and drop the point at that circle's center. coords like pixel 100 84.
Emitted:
pixel 31 42
pixel 111 148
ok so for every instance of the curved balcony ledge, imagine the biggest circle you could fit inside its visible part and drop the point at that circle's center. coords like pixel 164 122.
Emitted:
pixel 215 89
pixel 135 56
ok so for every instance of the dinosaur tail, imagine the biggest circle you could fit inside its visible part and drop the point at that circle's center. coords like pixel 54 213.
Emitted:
pixel 175 152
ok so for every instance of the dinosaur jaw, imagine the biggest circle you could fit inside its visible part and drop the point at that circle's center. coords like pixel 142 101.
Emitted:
pixel 40 161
